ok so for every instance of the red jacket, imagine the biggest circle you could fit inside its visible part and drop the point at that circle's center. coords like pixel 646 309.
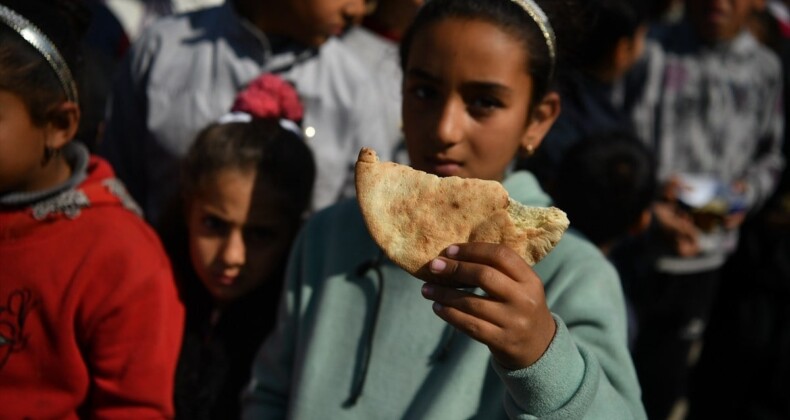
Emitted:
pixel 90 320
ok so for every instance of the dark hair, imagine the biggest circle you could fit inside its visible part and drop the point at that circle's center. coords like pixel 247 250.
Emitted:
pixel 279 157
pixel 511 18
pixel 24 71
pixel 608 21
pixel 605 182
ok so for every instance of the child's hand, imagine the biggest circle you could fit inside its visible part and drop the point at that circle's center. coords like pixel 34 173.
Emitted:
pixel 678 227
pixel 512 319
pixel 734 220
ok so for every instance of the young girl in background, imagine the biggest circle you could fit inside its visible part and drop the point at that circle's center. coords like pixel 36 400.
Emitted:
pixel 90 320
pixel 246 184
pixel 355 340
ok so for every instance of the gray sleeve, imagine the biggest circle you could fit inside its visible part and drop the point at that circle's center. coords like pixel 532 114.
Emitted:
pixel 587 371
pixel 763 174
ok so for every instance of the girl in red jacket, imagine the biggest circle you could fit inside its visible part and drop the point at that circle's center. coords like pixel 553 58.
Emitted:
pixel 90 320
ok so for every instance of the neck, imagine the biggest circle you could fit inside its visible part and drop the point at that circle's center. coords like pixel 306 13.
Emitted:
pixel 391 19
pixel 60 173
pixel 53 172
pixel 260 12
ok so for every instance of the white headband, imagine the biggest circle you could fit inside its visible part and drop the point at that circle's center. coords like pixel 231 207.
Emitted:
pixel 243 117
pixel 44 46
pixel 539 16
pixel 235 116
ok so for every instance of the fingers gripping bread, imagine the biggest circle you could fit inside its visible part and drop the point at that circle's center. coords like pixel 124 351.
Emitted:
pixel 413 215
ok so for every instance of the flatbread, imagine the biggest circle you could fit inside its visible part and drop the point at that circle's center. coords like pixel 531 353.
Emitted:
pixel 413 216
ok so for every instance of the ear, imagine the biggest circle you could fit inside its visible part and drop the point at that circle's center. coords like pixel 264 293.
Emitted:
pixel 63 125
pixel 543 116
pixel 641 224
pixel 621 54
pixel 627 52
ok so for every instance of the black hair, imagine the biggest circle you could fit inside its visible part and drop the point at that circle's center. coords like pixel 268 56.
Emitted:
pixel 607 22
pixel 24 71
pixel 279 157
pixel 512 18
pixel 605 183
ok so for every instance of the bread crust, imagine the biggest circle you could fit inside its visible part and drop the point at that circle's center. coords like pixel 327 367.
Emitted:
pixel 413 216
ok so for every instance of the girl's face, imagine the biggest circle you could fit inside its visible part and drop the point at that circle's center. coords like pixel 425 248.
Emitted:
pixel 466 95
pixel 21 146
pixel 239 233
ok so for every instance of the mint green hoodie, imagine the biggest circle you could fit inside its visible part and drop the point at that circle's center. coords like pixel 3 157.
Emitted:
pixel 313 364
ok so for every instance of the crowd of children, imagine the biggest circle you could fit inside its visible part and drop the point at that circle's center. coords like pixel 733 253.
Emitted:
pixel 184 242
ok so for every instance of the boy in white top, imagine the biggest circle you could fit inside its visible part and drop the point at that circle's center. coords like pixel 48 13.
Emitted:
pixel 185 70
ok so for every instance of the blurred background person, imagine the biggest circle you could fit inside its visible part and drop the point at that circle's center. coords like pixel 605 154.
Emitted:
pixel 710 108
pixel 606 184
pixel 750 321
pixel 591 89
pixel 376 43
pixel 185 70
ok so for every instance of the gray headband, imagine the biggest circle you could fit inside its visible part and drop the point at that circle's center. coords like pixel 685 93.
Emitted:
pixel 539 16
pixel 44 46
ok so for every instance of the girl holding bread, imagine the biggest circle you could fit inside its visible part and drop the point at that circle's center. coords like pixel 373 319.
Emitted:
pixel 355 337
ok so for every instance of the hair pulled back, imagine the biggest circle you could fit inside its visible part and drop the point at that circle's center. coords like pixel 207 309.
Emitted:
pixel 513 19
pixel 278 156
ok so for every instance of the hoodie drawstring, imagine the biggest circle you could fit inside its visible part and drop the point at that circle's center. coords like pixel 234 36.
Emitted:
pixel 359 378
pixel 441 353
pixel 443 350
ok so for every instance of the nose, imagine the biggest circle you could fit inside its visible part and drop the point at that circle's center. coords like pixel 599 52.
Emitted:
pixel 449 128
pixel 354 11
pixel 234 252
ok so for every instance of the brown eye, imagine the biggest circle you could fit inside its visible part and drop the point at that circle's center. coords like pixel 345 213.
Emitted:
pixel 422 91
pixel 214 225
pixel 485 103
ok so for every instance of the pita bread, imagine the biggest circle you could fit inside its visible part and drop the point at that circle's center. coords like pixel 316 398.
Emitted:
pixel 413 215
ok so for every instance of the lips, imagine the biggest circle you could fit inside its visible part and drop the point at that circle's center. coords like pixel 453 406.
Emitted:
pixel 226 278
pixel 717 11
pixel 443 167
